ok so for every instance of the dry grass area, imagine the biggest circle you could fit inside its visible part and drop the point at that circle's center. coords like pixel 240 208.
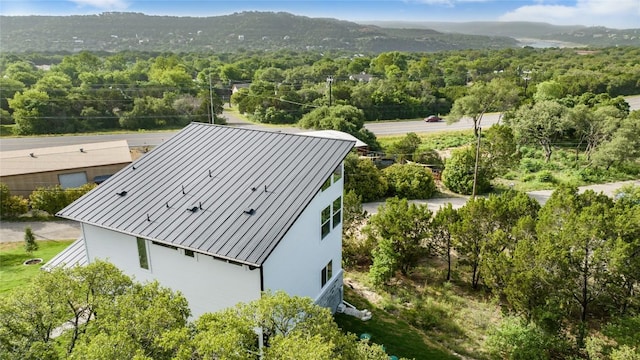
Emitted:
pixel 449 314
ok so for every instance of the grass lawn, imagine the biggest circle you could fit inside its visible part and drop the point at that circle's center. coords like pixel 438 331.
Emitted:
pixel 12 255
pixel 434 140
pixel 398 337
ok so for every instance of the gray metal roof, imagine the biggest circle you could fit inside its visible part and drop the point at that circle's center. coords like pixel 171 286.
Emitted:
pixel 74 255
pixel 229 192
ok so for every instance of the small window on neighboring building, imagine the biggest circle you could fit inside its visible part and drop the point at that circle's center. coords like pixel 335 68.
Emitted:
pixel 337 211
pixel 189 253
pixel 337 173
pixel 326 184
pixel 142 253
pixel 325 220
pixel 327 273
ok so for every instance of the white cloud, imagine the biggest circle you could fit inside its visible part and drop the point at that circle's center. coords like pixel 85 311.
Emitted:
pixel 611 13
pixel 103 4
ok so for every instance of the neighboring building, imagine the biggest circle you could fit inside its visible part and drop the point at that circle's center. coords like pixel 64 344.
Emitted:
pixel 236 87
pixel 222 214
pixel 362 77
pixel 360 146
pixel 68 166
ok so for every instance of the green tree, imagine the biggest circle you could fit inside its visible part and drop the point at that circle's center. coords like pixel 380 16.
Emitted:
pixel 497 95
pixel 441 239
pixel 470 234
pixel 343 118
pixel 355 247
pixel 577 244
pixel 288 324
pixel 31 112
pixel 548 90
pixel 499 148
pixel 542 123
pixel 50 199
pixel 514 339
pixel 364 178
pixel 624 145
pixel 148 113
pixel 31 314
pixel 11 205
pixel 405 148
pixel 459 169
pixel 30 244
pixel 384 262
pixel 405 230
pixel 409 181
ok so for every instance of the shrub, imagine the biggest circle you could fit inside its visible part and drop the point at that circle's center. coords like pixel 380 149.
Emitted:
pixel 364 178
pixel 515 340
pixel 50 200
pixel 11 205
pixel 428 157
pixel 531 165
pixel 458 173
pixel 546 176
pixel 409 181
pixel 55 198
pixel 30 244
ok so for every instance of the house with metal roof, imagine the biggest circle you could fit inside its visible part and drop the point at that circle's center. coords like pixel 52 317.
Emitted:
pixel 68 166
pixel 222 214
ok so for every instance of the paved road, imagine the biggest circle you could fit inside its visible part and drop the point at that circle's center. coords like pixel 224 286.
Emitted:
pixel 155 138
pixel 65 229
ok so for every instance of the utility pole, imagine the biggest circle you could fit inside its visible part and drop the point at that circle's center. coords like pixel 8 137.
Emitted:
pixel 475 170
pixel 211 100
pixel 329 82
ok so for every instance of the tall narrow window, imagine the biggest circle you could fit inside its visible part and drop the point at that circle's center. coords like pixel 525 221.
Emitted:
pixel 326 184
pixel 327 273
pixel 337 173
pixel 142 253
pixel 325 220
pixel 337 211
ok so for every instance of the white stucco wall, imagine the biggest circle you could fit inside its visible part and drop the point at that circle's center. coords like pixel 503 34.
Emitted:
pixel 296 263
pixel 208 284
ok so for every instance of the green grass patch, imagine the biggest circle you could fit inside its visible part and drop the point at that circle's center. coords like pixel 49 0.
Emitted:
pixel 13 273
pixel 436 140
pixel 533 173
pixel 396 335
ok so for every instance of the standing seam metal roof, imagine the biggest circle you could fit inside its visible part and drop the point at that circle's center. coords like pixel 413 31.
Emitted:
pixel 192 191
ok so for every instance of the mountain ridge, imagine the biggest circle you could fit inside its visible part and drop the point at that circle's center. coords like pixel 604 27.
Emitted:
pixel 266 31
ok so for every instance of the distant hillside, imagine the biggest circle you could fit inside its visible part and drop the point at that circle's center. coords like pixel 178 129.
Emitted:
pixel 574 34
pixel 229 33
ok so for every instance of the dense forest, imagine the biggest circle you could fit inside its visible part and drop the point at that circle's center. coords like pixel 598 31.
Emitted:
pixel 47 93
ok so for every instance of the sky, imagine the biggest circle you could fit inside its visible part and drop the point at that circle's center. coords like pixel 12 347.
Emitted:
pixel 618 14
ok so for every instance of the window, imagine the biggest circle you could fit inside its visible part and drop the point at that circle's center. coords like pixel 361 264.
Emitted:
pixel 337 173
pixel 72 180
pixel 189 253
pixel 326 184
pixel 337 210
pixel 142 253
pixel 325 220
pixel 327 273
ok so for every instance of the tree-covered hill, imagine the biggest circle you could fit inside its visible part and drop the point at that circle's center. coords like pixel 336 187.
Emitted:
pixel 230 33
pixel 573 34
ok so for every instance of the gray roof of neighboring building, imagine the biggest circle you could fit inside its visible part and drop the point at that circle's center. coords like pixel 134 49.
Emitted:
pixel 229 192
pixel 74 255
pixel 335 134
pixel 19 162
